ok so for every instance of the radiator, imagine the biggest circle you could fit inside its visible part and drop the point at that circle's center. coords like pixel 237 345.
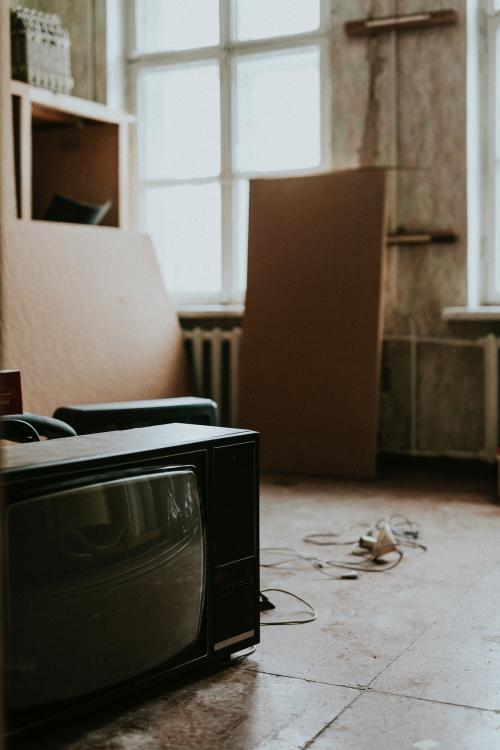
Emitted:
pixel 214 356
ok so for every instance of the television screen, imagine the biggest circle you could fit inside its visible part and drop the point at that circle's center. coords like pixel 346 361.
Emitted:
pixel 106 580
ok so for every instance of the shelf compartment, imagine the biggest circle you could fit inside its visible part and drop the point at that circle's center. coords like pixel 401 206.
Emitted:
pixel 78 162
pixel 68 146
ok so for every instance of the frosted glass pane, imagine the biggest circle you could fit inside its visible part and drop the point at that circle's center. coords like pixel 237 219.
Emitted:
pixel 179 122
pixel 278 121
pixel 176 24
pixel 241 232
pixel 261 19
pixel 185 225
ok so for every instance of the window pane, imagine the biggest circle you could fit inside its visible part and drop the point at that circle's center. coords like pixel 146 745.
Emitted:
pixel 278 111
pixel 176 24
pixel 260 19
pixel 185 225
pixel 179 122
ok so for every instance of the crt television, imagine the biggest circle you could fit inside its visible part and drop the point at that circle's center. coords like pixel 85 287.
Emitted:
pixel 130 556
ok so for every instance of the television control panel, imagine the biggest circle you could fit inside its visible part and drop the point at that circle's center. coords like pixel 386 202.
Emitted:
pixel 235 577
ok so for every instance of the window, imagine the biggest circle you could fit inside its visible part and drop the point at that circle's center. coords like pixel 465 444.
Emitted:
pixel 224 90
pixel 491 155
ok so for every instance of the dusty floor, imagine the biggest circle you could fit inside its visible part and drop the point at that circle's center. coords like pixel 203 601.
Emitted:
pixel 406 659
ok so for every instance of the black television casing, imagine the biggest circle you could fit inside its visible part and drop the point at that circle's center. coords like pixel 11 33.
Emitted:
pixel 225 462
pixel 127 415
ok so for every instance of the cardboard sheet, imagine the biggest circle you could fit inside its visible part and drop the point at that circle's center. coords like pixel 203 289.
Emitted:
pixel 312 328
pixel 86 317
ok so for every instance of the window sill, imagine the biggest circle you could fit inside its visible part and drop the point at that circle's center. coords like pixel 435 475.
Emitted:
pixel 199 312
pixel 472 314
pixel 214 311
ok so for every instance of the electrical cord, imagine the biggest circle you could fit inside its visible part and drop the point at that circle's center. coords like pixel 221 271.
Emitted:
pixel 377 559
pixel 361 565
pixel 413 545
pixel 330 537
pixel 312 611
pixel 405 534
pixel 314 561
pixel 401 526
pixel 404 527
pixel 281 550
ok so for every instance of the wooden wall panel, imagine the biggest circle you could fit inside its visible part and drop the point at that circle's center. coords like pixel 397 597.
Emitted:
pixel 312 327
pixel 86 317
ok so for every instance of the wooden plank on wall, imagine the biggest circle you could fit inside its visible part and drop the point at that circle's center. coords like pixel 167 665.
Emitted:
pixel 86 317
pixel 312 328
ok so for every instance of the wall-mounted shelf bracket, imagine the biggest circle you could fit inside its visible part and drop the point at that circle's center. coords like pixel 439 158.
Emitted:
pixel 426 19
pixel 421 237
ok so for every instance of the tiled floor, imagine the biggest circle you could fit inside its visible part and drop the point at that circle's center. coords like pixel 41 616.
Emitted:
pixel 409 659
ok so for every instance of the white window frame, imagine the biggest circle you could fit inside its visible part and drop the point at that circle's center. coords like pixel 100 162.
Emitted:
pixel 489 22
pixel 224 53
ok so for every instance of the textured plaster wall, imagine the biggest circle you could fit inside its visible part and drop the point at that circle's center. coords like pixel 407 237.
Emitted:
pixel 431 136
pixel 399 99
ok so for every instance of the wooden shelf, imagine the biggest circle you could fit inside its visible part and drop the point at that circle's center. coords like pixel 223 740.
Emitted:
pixel 69 146
pixel 45 101
pixel 408 21
pixel 422 237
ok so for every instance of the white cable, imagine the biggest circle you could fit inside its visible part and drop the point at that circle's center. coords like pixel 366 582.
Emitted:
pixel 313 612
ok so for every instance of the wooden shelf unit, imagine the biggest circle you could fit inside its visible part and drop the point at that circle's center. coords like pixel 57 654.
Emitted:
pixel 69 146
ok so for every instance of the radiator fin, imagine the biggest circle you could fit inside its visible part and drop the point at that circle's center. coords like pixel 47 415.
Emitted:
pixel 214 356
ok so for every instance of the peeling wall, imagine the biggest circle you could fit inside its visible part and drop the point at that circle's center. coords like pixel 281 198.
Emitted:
pixel 431 136
pixel 399 99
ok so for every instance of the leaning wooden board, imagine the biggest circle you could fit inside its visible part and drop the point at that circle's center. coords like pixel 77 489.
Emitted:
pixel 313 323
pixel 86 317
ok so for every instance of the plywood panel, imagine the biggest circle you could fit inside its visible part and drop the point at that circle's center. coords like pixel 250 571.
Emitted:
pixel 86 317
pixel 312 328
